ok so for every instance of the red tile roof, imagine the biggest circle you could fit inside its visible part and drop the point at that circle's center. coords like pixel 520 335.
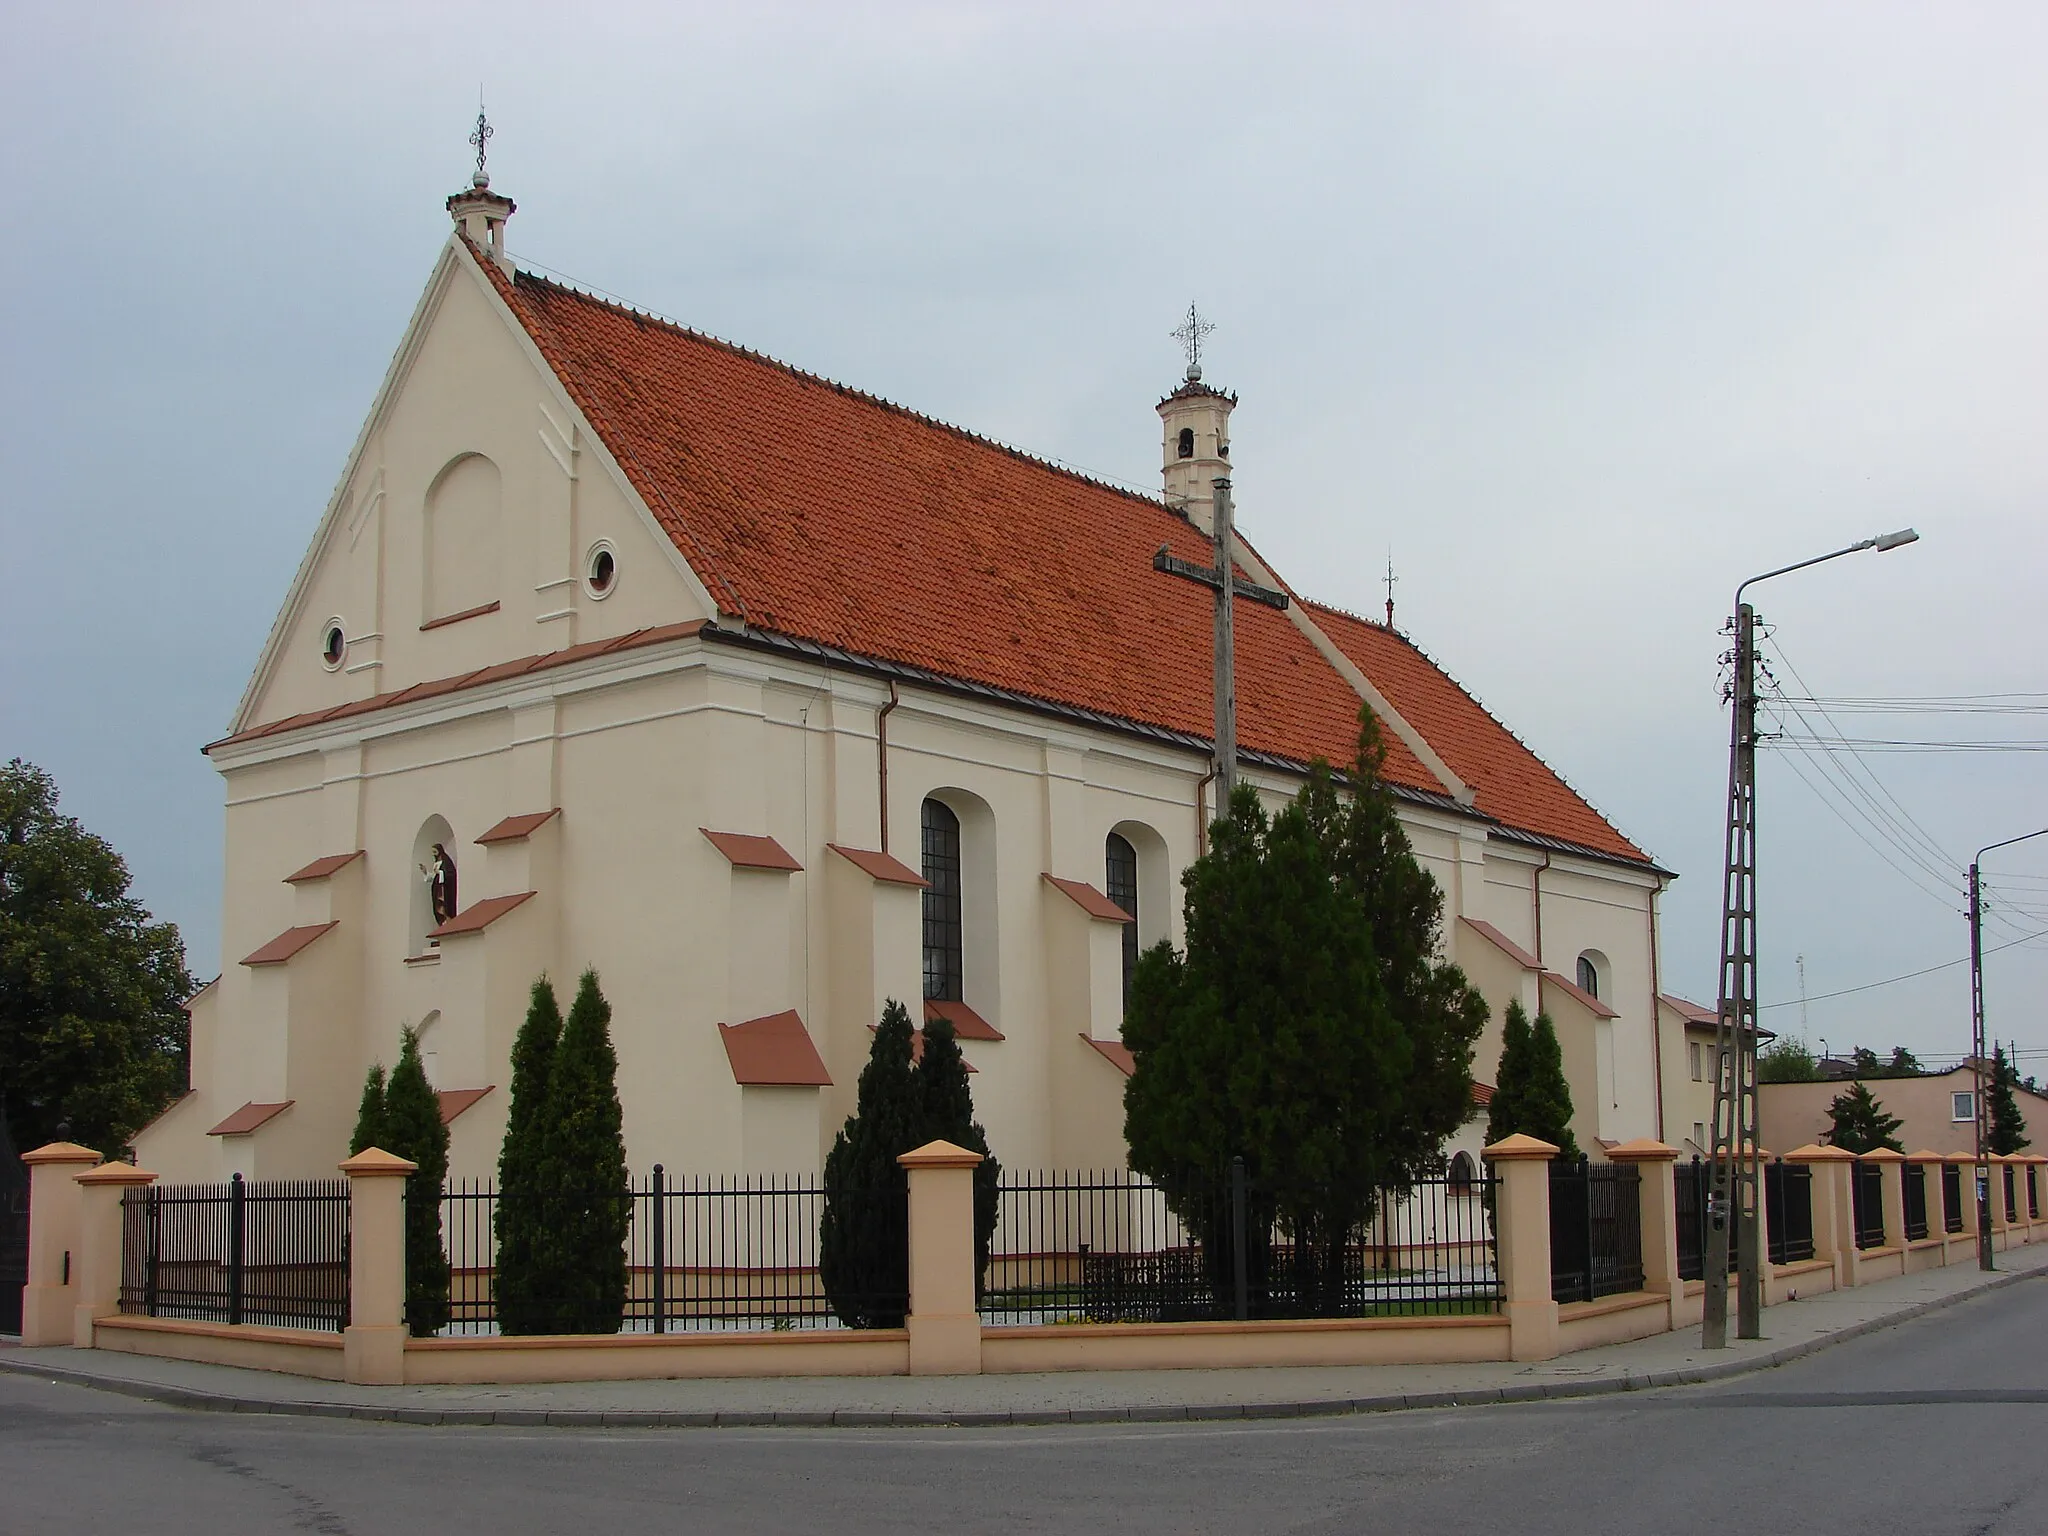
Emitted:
pixel 320 869
pixel 967 1024
pixel 1579 994
pixel 1503 943
pixel 1691 1012
pixel 774 1052
pixel 881 866
pixel 515 829
pixel 1482 1093
pixel 454 1101
pixel 286 944
pixel 1115 1052
pixel 747 850
pixel 249 1117
pixel 981 563
pixel 477 917
pixel 1512 783
pixel 1089 899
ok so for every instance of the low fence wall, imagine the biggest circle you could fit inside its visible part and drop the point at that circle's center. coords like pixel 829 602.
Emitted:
pixel 1495 1268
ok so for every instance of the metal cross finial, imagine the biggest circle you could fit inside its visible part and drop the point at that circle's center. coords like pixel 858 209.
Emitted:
pixel 1391 579
pixel 1189 334
pixel 480 139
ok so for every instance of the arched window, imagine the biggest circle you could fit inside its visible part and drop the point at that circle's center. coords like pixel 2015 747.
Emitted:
pixel 1589 976
pixel 944 946
pixel 1187 442
pixel 1120 880
pixel 1462 1174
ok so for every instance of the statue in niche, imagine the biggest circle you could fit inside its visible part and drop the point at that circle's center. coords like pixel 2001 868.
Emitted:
pixel 439 873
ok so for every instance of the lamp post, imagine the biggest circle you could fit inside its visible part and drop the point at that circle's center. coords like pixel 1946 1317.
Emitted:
pixel 1983 1108
pixel 1732 1202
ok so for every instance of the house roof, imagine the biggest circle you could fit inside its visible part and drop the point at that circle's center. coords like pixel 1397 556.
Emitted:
pixel 981 563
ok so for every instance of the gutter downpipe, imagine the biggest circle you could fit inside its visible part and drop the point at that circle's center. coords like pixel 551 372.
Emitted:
pixel 1656 1021
pixel 1202 822
pixel 1536 899
pixel 882 757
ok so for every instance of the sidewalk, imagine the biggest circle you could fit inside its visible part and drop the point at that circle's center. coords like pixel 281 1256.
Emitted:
pixel 1792 1329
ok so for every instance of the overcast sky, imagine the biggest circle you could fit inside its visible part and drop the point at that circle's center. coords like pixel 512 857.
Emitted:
pixel 1583 313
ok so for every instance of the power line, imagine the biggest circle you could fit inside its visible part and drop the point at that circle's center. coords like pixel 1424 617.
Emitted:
pixel 1892 981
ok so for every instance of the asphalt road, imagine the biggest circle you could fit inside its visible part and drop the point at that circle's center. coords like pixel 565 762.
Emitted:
pixel 1933 1427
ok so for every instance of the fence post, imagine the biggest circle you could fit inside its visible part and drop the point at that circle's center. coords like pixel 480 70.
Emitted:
pixel 98 1270
pixel 1239 1280
pixel 1521 1234
pixel 658 1243
pixel 1834 1218
pixel 945 1327
pixel 238 1235
pixel 1656 1167
pixel 1891 1167
pixel 373 1343
pixel 1966 1181
pixel 53 1205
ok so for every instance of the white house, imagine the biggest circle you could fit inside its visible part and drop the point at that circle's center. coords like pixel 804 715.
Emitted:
pixel 621 646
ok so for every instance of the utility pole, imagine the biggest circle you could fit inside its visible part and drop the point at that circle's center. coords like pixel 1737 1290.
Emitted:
pixel 1977 1053
pixel 1732 1204
pixel 1732 1196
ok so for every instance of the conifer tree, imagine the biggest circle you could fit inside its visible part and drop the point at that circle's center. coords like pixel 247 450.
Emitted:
pixel 864 1233
pixel 2008 1125
pixel 524 1293
pixel 586 1202
pixel 370 1114
pixel 1860 1122
pixel 1532 1097
pixel 945 1112
pixel 1308 1028
pixel 414 1130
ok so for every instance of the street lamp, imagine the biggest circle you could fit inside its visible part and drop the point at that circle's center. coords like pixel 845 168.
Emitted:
pixel 1734 1189
pixel 1977 1047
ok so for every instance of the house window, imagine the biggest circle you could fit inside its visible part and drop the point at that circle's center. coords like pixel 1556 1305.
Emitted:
pixel 1962 1106
pixel 1699 1061
pixel 1120 879
pixel 1589 976
pixel 1186 447
pixel 1462 1174
pixel 943 935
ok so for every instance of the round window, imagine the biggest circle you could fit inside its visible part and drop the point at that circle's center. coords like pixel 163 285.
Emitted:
pixel 333 645
pixel 601 571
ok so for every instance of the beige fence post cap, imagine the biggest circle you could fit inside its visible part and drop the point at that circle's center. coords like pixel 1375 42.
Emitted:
pixel 1881 1155
pixel 60 1152
pixel 376 1163
pixel 1960 1157
pixel 115 1173
pixel 940 1154
pixel 1814 1153
pixel 1924 1155
pixel 1644 1149
pixel 1508 1148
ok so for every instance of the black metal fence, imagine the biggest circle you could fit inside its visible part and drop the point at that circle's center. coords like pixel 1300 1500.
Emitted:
pixel 1788 1212
pixel 273 1252
pixel 2033 1193
pixel 2012 1203
pixel 1596 1230
pixel 1915 1175
pixel 1111 1247
pixel 701 1253
pixel 1866 1198
pixel 1951 1198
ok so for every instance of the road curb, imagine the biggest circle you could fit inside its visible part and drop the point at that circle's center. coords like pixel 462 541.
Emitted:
pixel 850 1418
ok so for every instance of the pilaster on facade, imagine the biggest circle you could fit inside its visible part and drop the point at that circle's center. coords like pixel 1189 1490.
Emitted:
pixel 873 928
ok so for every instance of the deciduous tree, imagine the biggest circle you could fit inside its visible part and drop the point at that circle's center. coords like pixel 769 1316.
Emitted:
pixel 92 1027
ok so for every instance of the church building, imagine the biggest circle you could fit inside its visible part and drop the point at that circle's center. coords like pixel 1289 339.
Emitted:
pixel 620 646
